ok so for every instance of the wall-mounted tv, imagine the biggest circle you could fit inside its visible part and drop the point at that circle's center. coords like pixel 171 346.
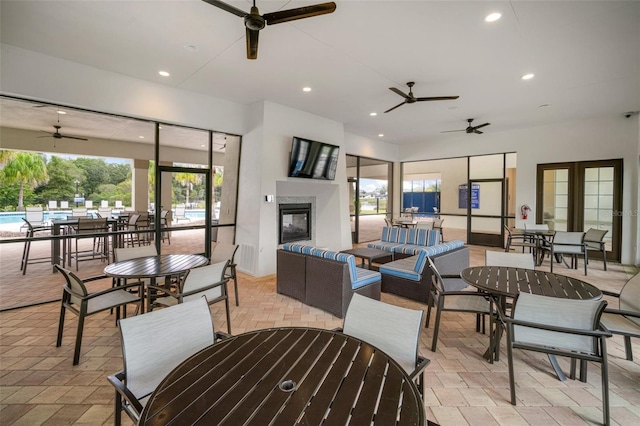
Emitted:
pixel 313 159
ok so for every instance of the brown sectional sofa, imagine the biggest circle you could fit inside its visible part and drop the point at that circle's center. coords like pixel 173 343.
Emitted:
pixel 321 282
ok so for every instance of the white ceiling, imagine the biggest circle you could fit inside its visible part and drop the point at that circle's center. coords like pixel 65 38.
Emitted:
pixel 585 55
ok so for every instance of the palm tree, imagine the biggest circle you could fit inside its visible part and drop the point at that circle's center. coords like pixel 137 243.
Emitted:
pixel 188 180
pixel 24 168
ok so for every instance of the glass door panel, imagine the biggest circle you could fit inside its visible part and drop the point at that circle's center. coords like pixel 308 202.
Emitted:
pixel 555 199
pixel 487 206
pixel 598 201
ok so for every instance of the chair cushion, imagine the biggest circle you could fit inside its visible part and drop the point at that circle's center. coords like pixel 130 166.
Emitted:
pixel 110 300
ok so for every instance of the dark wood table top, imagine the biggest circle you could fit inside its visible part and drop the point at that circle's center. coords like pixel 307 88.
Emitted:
pixel 367 253
pixel 287 376
pixel 155 266
pixel 504 281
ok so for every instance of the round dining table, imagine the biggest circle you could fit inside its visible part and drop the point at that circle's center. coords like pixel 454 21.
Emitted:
pixel 503 282
pixel 153 267
pixel 287 376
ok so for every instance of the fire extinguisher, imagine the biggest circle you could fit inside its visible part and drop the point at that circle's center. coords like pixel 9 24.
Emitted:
pixel 524 211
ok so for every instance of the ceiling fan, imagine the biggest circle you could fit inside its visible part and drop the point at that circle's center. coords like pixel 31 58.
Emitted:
pixel 410 99
pixel 254 22
pixel 57 135
pixel 470 128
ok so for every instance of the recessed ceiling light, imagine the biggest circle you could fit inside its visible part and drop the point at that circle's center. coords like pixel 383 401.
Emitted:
pixel 141 137
pixel 61 112
pixel 492 17
pixel 373 114
pixel 380 135
pixel 306 89
pixel 528 76
pixel 544 106
pixel 164 73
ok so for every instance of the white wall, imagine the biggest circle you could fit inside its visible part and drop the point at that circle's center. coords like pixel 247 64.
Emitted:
pixel 599 138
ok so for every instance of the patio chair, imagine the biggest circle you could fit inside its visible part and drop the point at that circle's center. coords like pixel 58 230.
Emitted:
pixel 84 229
pixel 104 204
pixel 64 205
pixel 164 222
pixel 562 327
pixel 181 210
pixel 625 320
pixel 31 232
pixel 104 212
pixel 454 301
pixel 121 254
pixel 79 212
pixel 437 225
pixel 569 244
pixel 519 240
pixel 223 252
pixel 53 205
pixel 119 205
pixel 208 281
pixel 35 216
pixel 79 301
pixel 536 226
pixel 513 260
pixel 154 344
pixel 425 224
pixel 594 241
pixel 392 329
pixel 88 204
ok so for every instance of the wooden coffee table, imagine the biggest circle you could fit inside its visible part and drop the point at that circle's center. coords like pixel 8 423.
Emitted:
pixel 368 254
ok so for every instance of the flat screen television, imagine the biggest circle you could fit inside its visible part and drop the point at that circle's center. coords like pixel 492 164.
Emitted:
pixel 312 159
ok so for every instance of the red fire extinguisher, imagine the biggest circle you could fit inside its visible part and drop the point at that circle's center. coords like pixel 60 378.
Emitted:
pixel 524 211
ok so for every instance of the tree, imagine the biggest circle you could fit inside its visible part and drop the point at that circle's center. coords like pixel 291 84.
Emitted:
pixel 95 171
pixel 62 176
pixel 118 173
pixel 27 170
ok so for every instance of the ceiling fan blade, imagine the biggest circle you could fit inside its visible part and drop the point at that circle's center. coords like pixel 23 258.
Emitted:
pixel 38 137
pixel 298 13
pixel 399 92
pixel 400 104
pixel 227 7
pixel 478 131
pixel 437 98
pixel 252 43
pixel 450 131
pixel 481 126
pixel 73 137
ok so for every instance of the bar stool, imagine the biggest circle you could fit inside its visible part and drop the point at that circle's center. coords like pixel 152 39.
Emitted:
pixel 31 232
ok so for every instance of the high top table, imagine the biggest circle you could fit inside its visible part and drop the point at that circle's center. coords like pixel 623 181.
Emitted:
pixel 155 266
pixel 503 282
pixel 287 376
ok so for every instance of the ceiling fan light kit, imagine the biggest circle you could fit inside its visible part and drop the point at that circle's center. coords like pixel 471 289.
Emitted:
pixel 410 98
pixel 254 22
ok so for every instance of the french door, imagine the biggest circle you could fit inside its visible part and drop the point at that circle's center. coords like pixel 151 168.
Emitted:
pixel 582 195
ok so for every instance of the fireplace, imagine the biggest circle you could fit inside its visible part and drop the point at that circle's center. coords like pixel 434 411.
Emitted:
pixel 295 222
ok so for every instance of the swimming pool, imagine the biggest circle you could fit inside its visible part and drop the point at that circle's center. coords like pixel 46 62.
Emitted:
pixel 15 218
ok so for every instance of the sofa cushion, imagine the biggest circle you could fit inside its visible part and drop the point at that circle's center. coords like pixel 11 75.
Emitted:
pixel 365 277
pixel 413 236
pixel 382 245
pixel 349 259
pixel 403 268
pixel 298 248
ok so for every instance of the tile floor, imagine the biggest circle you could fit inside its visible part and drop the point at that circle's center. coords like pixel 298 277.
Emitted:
pixel 38 384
